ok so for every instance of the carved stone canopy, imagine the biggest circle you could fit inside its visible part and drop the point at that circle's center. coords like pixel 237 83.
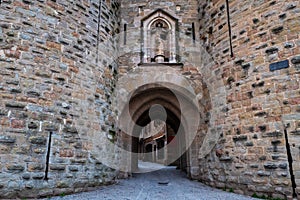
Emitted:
pixel 159 38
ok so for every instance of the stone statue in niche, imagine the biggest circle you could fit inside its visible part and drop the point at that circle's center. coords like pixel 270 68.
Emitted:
pixel 160 42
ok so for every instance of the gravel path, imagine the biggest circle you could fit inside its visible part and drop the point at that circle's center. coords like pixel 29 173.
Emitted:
pixel 165 184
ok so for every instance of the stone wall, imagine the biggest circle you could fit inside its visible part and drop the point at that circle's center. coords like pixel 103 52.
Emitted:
pixel 248 106
pixel 251 155
pixel 133 13
pixel 59 64
pixel 54 95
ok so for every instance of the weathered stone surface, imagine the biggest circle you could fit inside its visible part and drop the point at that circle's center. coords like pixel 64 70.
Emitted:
pixel 19 124
pixel 263 173
pixel 63 184
pixel 38 176
pixel 267 133
pixel 36 167
pixel 51 127
pixel 59 72
pixel 272 50
pixel 273 134
pixel 15 105
pixel 26 176
pixel 32 125
pixel 240 138
pixel 57 167
pixel 66 153
pixel 70 129
pixel 38 140
pixel 295 132
pixel 15 167
pixel 270 166
pixel 277 30
pixel 73 168
pixel 296 60
pixel 7 139
pixel 283 165
pixel 226 158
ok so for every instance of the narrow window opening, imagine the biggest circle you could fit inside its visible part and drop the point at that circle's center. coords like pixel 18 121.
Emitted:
pixel 193 31
pixel 125 33
pixel 141 10
pixel 229 27
pixel 290 160
pixel 98 31
pixel 48 156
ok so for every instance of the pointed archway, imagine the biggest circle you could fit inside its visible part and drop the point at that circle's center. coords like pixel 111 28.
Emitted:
pixel 160 85
pixel 165 106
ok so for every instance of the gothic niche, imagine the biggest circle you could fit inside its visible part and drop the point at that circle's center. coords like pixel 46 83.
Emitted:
pixel 159 38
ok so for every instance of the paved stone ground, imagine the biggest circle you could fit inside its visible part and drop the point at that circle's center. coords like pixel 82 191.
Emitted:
pixel 152 186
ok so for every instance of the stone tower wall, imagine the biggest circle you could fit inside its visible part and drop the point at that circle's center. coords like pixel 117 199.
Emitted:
pixel 251 155
pixel 249 106
pixel 54 84
pixel 186 12
pixel 133 12
pixel 58 70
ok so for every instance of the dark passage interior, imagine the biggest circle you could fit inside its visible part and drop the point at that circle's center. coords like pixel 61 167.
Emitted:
pixel 159 134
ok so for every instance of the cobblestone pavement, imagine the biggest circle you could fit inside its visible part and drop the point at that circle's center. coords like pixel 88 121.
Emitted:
pixel 167 184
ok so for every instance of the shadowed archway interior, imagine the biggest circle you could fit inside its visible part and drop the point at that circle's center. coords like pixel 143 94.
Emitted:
pixel 171 103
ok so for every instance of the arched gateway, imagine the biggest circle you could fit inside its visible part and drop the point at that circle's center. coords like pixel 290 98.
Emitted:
pixel 159 93
pixel 80 80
